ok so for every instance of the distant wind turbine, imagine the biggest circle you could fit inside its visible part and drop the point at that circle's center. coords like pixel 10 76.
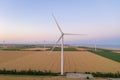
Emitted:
pixel 95 45
pixel 44 45
pixel 62 44
pixel 3 44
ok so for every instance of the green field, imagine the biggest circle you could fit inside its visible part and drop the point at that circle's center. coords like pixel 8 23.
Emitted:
pixel 65 49
pixel 106 53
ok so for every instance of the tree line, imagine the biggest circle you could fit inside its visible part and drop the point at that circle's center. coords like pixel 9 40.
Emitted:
pixel 49 73
pixel 28 72
pixel 108 75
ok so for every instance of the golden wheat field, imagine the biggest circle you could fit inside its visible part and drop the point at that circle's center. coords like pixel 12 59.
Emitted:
pixel 74 61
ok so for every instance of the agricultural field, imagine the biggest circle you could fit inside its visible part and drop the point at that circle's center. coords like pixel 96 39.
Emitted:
pixel 65 49
pixel 117 51
pixel 110 54
pixel 75 61
pixel 35 49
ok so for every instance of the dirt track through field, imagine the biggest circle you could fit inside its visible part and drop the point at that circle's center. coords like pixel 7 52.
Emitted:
pixel 75 61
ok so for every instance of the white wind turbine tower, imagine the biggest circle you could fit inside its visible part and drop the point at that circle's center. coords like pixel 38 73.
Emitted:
pixel 62 44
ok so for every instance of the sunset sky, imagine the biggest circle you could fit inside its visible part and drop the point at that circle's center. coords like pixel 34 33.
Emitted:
pixel 32 21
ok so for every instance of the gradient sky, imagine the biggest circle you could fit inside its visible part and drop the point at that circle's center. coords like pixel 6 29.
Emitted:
pixel 31 20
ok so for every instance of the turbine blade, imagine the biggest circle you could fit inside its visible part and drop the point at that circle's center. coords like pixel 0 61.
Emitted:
pixel 57 24
pixel 74 34
pixel 56 43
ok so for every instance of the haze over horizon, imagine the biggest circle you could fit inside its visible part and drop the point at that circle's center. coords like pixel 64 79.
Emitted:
pixel 30 21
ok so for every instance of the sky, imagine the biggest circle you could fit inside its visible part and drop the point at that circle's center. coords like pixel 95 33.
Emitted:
pixel 31 21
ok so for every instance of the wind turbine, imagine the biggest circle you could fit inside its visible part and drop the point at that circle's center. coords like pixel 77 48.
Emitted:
pixel 44 45
pixel 62 44
pixel 95 45
pixel 3 44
